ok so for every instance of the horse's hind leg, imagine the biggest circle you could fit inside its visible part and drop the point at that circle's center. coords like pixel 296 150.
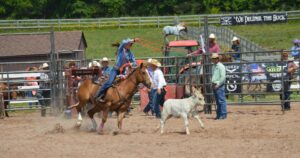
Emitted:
pixel 79 117
pixel 5 107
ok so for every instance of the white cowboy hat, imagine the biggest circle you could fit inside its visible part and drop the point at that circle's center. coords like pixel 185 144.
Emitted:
pixel 104 59
pixel 155 62
pixel 214 55
pixel 213 36
pixel 45 65
pixel 94 63
pixel 235 39
pixel 290 58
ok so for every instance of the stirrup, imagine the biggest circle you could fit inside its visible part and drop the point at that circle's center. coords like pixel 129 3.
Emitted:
pixel 99 99
pixel 96 82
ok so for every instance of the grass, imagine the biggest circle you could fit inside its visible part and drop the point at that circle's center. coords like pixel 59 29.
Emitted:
pixel 99 41
pixel 271 36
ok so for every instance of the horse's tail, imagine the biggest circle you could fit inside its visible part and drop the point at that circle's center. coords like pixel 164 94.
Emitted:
pixel 73 106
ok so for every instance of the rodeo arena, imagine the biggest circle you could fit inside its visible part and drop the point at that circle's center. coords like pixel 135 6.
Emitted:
pixel 49 106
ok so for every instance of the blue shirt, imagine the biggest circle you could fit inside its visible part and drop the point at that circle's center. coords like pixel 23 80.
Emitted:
pixel 106 71
pixel 124 56
pixel 295 51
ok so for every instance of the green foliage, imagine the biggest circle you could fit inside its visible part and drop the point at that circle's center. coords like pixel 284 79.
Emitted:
pixel 24 9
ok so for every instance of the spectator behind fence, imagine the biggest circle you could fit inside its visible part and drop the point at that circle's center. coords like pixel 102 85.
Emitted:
pixel 95 65
pixel 289 72
pixel 295 50
pixel 213 45
pixel 105 68
pixel 43 94
pixel 218 85
pixel 235 47
pixel 31 82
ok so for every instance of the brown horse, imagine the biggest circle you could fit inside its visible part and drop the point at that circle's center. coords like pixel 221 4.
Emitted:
pixel 7 95
pixel 117 98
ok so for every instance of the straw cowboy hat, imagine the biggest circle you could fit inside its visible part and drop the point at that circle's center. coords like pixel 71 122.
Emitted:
pixel 104 59
pixel 214 55
pixel 213 36
pixel 235 39
pixel 154 62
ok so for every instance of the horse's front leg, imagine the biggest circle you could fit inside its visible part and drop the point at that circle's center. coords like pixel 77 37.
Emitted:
pixel 104 119
pixel 79 117
pixel 120 119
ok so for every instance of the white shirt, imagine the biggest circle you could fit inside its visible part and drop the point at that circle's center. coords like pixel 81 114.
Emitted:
pixel 158 79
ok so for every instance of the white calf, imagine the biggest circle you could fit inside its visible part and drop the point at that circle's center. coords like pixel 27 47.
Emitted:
pixel 183 108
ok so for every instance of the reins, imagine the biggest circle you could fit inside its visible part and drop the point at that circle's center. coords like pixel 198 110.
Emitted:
pixel 122 98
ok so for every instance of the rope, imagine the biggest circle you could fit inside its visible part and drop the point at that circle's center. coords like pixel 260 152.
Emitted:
pixel 151 45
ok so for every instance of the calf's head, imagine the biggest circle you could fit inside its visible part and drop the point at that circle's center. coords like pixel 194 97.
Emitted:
pixel 198 94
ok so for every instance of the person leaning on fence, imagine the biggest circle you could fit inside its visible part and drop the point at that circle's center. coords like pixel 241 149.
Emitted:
pixel 213 45
pixel 235 47
pixel 124 56
pixel 218 85
pixel 95 66
pixel 42 94
pixel 295 50
pixel 289 72
pixel 31 82
pixel 159 84
pixel 105 68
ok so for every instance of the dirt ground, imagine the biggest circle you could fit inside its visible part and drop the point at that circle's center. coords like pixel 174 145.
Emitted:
pixel 249 131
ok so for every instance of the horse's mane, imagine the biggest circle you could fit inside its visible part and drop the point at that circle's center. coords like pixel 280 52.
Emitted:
pixel 132 72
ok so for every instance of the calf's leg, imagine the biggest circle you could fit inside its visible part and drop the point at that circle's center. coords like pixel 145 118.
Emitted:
pixel 199 120
pixel 163 120
pixel 186 123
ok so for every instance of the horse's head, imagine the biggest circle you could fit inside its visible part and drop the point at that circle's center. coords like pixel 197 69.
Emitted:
pixel 12 94
pixel 143 75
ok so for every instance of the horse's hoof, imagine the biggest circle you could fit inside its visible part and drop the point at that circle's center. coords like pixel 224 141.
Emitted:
pixel 78 123
pixel 100 132
pixel 92 130
pixel 115 132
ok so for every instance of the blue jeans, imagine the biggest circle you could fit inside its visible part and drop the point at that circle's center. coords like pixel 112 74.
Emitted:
pixel 286 95
pixel 107 84
pixel 221 102
pixel 41 97
pixel 29 94
pixel 150 106
pixel 158 100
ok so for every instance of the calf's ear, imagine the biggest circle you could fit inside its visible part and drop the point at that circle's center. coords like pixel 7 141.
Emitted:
pixel 193 89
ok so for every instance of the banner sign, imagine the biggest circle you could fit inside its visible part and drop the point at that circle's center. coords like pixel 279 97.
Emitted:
pixel 253 19
pixel 233 78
